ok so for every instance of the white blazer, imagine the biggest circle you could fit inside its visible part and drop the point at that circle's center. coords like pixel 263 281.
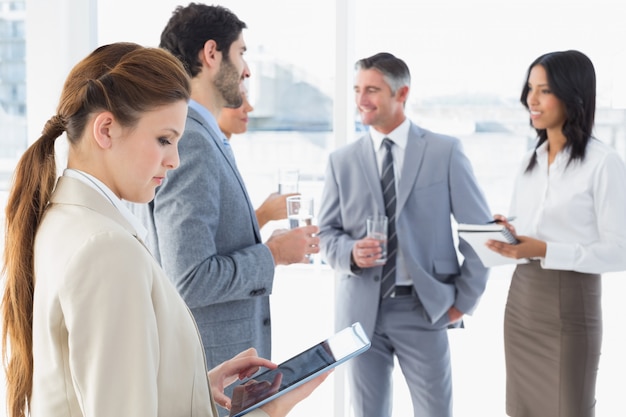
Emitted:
pixel 111 335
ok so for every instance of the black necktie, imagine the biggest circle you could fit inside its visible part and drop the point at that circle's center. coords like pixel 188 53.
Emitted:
pixel 388 183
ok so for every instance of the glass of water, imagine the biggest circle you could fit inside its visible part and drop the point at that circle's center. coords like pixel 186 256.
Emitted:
pixel 288 181
pixel 377 229
pixel 299 211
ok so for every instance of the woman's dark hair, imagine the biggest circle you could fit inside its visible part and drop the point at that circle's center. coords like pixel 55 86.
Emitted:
pixel 123 78
pixel 191 26
pixel 572 79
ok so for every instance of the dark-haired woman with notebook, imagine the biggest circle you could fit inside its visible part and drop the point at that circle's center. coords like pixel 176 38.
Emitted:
pixel 570 200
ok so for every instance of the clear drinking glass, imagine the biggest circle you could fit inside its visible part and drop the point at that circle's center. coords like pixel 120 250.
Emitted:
pixel 288 181
pixel 377 229
pixel 299 211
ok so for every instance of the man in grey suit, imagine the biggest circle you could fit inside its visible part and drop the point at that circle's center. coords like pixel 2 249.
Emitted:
pixel 202 226
pixel 406 305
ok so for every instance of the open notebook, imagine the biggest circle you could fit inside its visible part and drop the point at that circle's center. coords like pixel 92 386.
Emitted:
pixel 478 234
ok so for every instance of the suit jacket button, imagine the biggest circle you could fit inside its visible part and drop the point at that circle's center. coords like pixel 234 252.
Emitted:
pixel 376 278
pixel 266 322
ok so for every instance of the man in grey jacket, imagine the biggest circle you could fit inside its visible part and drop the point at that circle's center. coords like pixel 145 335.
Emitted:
pixel 202 226
pixel 419 179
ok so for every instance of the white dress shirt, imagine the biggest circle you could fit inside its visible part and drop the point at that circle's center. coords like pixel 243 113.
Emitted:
pixel 399 136
pixel 579 209
pixel 212 121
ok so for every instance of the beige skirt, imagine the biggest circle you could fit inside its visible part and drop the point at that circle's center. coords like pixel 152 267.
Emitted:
pixel 552 340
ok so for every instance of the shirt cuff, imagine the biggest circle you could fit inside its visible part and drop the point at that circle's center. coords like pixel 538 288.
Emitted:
pixel 559 256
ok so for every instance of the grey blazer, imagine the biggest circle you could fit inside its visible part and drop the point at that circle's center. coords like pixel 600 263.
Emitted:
pixel 437 181
pixel 203 229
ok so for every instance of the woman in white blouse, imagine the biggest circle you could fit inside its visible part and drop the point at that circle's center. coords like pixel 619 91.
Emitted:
pixel 570 203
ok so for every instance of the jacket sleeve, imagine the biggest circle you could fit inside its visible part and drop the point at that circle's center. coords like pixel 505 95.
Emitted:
pixel 468 206
pixel 112 329
pixel 336 245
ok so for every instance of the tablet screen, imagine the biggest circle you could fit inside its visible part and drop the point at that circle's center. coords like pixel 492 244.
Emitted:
pixel 269 384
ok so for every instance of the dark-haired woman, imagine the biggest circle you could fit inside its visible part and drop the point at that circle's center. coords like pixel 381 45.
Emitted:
pixel 569 200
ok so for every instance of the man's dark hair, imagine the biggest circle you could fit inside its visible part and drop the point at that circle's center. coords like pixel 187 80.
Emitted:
pixel 191 26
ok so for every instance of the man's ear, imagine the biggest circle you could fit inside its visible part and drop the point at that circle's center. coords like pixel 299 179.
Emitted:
pixel 210 55
pixel 403 93
pixel 103 129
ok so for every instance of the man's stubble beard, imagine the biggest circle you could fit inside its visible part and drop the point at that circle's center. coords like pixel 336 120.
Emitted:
pixel 227 83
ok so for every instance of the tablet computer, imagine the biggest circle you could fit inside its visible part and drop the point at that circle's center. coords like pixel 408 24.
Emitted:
pixel 264 387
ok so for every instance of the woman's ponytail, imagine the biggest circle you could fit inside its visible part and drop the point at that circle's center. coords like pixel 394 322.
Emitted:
pixel 33 182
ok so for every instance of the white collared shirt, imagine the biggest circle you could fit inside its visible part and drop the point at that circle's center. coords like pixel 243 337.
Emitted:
pixel 578 210
pixel 205 113
pixel 210 119
pixel 400 137
pixel 106 192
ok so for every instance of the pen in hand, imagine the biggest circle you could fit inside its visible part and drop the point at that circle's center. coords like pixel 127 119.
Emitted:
pixel 508 219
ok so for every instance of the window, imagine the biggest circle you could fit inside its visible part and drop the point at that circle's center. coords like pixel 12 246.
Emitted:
pixel 12 87
pixel 467 59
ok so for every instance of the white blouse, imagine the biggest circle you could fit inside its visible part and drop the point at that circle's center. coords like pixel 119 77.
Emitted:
pixel 579 209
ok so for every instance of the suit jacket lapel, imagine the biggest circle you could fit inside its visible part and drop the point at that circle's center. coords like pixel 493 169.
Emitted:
pixel 214 136
pixel 369 170
pixel 231 162
pixel 72 191
pixel 413 157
